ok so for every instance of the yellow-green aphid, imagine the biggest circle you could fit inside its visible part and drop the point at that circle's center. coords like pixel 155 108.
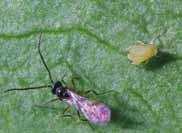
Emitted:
pixel 142 52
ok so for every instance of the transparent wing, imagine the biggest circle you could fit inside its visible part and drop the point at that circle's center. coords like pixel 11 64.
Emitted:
pixel 97 113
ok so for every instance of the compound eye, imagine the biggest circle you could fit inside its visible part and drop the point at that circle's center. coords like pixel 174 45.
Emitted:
pixel 56 85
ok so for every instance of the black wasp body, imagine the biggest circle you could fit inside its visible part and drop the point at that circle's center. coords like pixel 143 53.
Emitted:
pixel 60 90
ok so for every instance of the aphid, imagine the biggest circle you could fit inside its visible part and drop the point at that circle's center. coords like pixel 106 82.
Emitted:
pixel 95 112
pixel 142 52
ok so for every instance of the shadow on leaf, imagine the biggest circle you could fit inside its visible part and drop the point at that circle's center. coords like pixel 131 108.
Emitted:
pixel 125 116
pixel 125 119
pixel 160 60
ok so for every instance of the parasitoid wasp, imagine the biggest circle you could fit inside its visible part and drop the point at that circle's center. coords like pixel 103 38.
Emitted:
pixel 94 112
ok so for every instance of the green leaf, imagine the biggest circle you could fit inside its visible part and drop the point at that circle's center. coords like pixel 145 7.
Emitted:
pixel 88 39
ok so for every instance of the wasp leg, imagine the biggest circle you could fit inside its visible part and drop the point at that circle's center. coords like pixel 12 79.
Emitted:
pixel 65 110
pixel 62 80
pixel 96 93
pixel 64 75
pixel 84 120
pixel 73 85
pixel 67 115
pixel 53 100
pixel 50 101
pixel 76 78
pixel 73 82
pixel 78 114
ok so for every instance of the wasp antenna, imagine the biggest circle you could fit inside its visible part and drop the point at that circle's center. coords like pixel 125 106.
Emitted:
pixel 28 88
pixel 43 61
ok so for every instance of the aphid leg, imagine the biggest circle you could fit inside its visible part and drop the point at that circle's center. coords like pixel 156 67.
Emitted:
pixel 146 62
pixel 140 42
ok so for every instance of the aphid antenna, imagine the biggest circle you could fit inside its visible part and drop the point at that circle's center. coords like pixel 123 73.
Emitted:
pixel 158 35
pixel 45 65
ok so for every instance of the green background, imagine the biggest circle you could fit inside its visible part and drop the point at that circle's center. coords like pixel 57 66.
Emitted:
pixel 89 39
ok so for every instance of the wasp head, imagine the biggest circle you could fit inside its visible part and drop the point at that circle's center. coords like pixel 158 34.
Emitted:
pixel 59 90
